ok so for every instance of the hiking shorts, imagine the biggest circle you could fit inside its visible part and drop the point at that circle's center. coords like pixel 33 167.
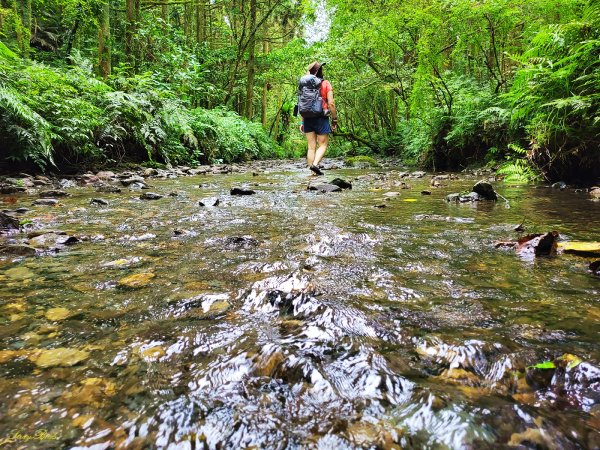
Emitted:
pixel 319 125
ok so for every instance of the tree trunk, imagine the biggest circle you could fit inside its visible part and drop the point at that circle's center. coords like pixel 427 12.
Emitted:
pixel 164 12
pixel 263 110
pixel 251 62
pixel 24 34
pixel 200 21
pixel 71 39
pixel 130 29
pixel 104 40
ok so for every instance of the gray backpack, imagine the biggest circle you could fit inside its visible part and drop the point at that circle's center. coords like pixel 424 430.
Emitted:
pixel 310 102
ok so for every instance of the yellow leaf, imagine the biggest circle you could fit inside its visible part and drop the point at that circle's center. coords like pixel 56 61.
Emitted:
pixel 409 200
pixel 592 248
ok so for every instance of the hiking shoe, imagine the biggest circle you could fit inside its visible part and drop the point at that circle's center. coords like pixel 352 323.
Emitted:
pixel 316 170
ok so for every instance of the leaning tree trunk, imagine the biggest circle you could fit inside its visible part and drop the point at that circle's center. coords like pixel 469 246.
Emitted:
pixel 263 111
pixel 251 62
pixel 24 33
pixel 104 40
pixel 200 21
pixel 130 30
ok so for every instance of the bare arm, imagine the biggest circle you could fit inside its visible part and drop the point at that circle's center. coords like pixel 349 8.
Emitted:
pixel 331 105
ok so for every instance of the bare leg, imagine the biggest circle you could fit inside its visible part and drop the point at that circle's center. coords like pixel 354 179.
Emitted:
pixel 323 140
pixel 311 139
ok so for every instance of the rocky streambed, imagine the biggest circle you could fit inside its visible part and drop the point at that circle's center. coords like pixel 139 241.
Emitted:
pixel 256 306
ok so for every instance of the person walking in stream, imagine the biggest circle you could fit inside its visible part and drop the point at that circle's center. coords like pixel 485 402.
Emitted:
pixel 317 107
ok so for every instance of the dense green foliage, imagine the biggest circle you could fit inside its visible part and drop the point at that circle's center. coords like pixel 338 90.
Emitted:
pixel 68 117
pixel 452 83
pixel 511 83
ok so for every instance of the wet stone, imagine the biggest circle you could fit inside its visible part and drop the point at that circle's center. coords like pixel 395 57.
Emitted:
pixel 8 222
pixel 150 172
pixel 53 193
pixel 324 188
pixel 11 189
pixel 19 273
pixel 108 189
pixel 106 175
pixel 341 183
pixel 17 250
pixel 57 314
pixel 211 201
pixel 52 241
pixel 131 180
pixel 98 201
pixel 463 198
pixel 46 202
pixel 59 357
pixel 241 191
pixel 240 242
pixel 136 281
pixel 485 190
pixel 150 196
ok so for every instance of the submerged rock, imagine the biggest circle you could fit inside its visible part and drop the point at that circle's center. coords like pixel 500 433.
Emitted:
pixel 123 263
pixel 61 356
pixel 17 250
pixel 559 185
pixel 136 281
pixel 241 191
pixel 57 314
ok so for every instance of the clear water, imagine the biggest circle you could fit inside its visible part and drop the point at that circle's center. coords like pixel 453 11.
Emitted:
pixel 330 324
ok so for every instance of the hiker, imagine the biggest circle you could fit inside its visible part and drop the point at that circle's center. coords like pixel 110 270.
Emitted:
pixel 316 106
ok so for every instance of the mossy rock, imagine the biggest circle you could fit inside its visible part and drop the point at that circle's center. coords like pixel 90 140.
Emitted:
pixel 361 161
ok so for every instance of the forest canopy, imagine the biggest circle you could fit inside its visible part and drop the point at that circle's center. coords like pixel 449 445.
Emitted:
pixel 444 84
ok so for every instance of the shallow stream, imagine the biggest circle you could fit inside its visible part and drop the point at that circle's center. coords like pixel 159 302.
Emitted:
pixel 294 319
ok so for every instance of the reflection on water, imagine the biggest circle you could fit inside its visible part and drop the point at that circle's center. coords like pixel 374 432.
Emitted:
pixel 291 319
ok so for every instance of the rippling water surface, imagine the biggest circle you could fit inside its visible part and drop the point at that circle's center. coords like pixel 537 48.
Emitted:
pixel 291 319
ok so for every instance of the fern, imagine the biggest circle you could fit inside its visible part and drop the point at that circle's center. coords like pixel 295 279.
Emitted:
pixel 517 168
pixel 24 130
